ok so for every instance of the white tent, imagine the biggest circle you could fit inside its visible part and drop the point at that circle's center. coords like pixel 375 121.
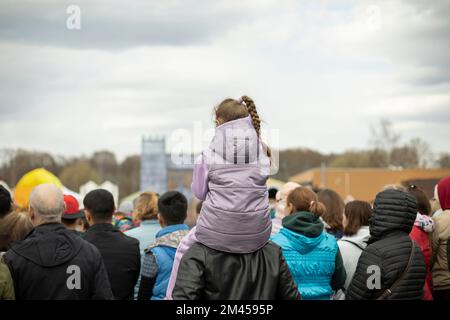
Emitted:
pixel 107 185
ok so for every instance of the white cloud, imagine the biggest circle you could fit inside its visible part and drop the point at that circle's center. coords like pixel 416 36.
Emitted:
pixel 321 72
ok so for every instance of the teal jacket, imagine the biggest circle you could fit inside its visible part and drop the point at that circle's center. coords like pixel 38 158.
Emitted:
pixel 312 255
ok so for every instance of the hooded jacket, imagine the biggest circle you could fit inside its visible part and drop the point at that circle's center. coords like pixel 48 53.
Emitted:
pixel 183 247
pixel 388 252
pixel 312 256
pixel 440 239
pixel 231 179
pixel 208 274
pixel 158 262
pixel 53 263
pixel 351 248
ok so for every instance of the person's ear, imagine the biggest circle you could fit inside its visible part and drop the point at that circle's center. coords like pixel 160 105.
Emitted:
pixel 161 220
pixel 289 209
pixel 88 216
pixel 32 214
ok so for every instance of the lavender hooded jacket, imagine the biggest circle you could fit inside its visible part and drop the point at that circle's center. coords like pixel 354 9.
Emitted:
pixel 230 176
pixel 235 213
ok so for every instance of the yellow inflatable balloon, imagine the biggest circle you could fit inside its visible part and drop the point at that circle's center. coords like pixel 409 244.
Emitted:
pixel 30 180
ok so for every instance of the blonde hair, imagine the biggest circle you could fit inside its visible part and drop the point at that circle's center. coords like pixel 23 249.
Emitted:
pixel 146 206
pixel 14 227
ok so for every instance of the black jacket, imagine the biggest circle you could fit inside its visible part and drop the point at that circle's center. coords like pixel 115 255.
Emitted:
pixel 54 263
pixel 389 248
pixel 208 274
pixel 121 256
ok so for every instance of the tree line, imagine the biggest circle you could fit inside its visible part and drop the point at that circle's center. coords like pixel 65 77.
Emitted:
pixel 385 150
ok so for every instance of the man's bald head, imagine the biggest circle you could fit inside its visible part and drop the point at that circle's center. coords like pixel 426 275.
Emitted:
pixel 47 203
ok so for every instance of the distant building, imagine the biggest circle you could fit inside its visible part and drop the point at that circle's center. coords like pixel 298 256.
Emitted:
pixel 365 183
pixel 154 164
pixel 159 173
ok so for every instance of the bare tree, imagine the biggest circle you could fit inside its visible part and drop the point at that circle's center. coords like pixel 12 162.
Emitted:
pixel 423 151
pixel 383 136
pixel 444 160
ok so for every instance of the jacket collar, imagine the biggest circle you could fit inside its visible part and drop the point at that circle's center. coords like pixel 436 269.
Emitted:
pixel 147 222
pixel 170 229
pixel 102 227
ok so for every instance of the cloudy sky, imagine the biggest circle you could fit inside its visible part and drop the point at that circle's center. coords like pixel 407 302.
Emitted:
pixel 320 72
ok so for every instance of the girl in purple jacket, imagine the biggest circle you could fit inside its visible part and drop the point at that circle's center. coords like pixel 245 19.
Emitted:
pixel 230 178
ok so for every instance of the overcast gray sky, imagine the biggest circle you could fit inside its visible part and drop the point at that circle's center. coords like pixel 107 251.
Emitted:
pixel 319 71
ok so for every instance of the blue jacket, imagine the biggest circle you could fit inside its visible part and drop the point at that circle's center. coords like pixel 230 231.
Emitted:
pixel 164 249
pixel 311 260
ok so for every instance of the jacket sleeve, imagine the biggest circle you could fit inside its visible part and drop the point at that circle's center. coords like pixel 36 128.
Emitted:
pixel 361 287
pixel 287 288
pixel 137 263
pixel 102 287
pixel 339 275
pixel 200 179
pixel 6 282
pixel 148 277
pixel 434 240
pixel 190 281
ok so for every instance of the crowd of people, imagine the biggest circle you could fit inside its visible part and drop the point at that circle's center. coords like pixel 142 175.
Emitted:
pixel 248 242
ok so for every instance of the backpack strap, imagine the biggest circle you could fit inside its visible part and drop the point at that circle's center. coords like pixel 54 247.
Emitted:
pixel 355 244
pixel 388 291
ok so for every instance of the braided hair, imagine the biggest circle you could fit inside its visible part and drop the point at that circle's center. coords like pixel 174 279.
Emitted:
pixel 251 108
pixel 230 109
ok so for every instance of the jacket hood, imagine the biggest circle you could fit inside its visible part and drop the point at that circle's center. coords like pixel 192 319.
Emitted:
pixel 360 238
pixel 235 142
pixel 394 210
pixel 443 189
pixel 305 223
pixel 301 243
pixel 170 236
pixel 48 245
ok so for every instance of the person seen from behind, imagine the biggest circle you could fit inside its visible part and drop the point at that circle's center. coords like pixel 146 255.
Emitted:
pixel 14 227
pixel 120 252
pixel 440 244
pixel 159 256
pixel 50 251
pixel 356 234
pixel 332 218
pixel 420 233
pixel 312 254
pixel 234 226
pixel 392 266
pixel 72 217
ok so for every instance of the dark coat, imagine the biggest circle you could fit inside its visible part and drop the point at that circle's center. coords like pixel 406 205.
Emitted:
pixel 45 265
pixel 389 248
pixel 121 256
pixel 208 274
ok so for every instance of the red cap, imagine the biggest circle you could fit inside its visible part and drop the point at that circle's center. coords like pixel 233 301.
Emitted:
pixel 72 205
